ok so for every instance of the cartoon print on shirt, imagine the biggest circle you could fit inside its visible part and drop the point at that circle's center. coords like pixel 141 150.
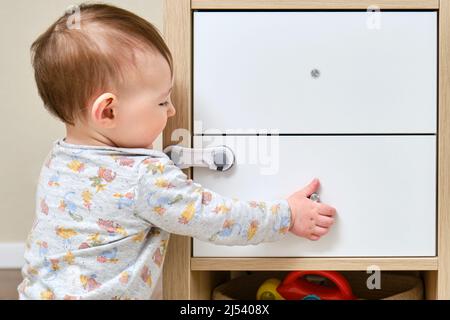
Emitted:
pixel 68 204
pixel 86 195
pixel 123 161
pixel 76 166
pixel 154 165
pixel 111 227
pixel 103 177
pixel 146 275
pixel 89 283
pixel 108 256
pixel 229 228
pixel 66 235
pixel 188 213
pixel 43 247
pixel 44 206
pixel 54 180
pixel 92 240
pixel 124 200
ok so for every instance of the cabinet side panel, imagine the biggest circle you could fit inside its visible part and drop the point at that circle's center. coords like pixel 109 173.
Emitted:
pixel 177 33
pixel 444 152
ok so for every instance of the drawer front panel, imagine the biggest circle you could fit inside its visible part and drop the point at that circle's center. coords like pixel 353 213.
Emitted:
pixel 315 72
pixel 383 188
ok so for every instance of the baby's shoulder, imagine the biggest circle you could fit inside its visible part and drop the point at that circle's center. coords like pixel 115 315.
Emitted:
pixel 157 165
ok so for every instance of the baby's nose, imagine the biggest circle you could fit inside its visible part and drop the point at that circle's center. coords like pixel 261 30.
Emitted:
pixel 171 112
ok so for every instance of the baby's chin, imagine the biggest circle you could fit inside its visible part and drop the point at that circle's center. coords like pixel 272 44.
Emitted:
pixel 136 146
pixel 134 142
pixel 145 146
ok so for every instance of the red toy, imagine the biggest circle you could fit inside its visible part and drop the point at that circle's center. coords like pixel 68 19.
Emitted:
pixel 295 287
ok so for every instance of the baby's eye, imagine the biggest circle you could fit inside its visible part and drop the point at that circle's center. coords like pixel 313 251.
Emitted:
pixel 164 104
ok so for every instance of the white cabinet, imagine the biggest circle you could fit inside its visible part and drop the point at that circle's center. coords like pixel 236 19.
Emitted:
pixel 315 72
pixel 355 106
pixel 383 188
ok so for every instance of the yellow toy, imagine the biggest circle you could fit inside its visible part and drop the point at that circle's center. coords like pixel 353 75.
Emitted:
pixel 268 290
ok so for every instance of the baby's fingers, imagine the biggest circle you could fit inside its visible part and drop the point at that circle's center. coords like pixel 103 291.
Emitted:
pixel 319 231
pixel 326 210
pixel 313 238
pixel 324 221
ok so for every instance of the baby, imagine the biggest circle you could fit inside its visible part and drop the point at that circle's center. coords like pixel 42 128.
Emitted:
pixel 106 201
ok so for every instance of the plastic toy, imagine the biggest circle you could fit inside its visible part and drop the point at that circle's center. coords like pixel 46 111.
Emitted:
pixel 268 290
pixel 296 287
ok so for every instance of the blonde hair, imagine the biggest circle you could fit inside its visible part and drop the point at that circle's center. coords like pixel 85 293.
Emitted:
pixel 73 63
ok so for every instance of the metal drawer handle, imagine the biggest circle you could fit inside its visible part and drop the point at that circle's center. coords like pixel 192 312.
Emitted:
pixel 314 197
pixel 220 158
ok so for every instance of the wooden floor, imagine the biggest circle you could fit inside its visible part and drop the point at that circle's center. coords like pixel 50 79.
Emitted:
pixel 9 280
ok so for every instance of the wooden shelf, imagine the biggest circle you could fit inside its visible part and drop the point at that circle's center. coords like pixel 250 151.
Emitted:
pixel 286 264
pixel 186 277
pixel 314 4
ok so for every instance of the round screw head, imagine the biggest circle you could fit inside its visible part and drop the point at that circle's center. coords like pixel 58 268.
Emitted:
pixel 315 73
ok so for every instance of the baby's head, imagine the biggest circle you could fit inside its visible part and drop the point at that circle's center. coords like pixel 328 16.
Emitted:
pixel 107 74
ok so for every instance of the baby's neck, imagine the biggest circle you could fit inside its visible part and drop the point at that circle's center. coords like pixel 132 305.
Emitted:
pixel 83 136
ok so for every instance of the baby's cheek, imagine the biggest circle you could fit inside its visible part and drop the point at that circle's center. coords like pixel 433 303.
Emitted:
pixel 135 126
pixel 156 126
pixel 162 121
pixel 148 122
pixel 151 125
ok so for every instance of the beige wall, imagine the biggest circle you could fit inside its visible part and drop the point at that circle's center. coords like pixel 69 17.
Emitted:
pixel 27 131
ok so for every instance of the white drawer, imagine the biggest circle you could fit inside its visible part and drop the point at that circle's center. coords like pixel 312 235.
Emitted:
pixel 252 71
pixel 383 188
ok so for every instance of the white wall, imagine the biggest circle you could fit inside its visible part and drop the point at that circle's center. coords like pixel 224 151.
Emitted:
pixel 27 130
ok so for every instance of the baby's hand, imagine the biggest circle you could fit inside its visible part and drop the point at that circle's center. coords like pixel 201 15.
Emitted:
pixel 310 219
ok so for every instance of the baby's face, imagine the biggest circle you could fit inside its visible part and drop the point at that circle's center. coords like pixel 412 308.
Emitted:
pixel 144 103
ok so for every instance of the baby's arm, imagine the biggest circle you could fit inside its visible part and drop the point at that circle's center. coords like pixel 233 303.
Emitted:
pixel 169 200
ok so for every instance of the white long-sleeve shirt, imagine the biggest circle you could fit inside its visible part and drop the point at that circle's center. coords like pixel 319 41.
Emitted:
pixel 104 216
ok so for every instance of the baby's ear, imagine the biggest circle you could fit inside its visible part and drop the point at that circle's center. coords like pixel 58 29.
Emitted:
pixel 103 112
